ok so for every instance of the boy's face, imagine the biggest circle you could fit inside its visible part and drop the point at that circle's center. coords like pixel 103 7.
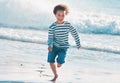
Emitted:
pixel 60 15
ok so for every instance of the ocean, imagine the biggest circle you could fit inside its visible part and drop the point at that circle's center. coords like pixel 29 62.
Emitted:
pixel 23 41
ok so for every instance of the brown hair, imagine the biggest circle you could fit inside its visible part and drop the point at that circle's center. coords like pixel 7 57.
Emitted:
pixel 61 7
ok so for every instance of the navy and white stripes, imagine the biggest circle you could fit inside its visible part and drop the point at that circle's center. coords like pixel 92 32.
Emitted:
pixel 58 35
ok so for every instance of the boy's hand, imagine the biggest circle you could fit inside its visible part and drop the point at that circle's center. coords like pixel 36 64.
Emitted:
pixel 49 49
pixel 79 47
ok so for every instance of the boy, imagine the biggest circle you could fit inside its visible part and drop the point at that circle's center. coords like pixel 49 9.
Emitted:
pixel 58 38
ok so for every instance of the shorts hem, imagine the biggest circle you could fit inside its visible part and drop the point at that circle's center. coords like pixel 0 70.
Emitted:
pixel 60 62
pixel 51 61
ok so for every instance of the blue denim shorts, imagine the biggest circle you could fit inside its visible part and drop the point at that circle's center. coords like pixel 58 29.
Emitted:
pixel 57 54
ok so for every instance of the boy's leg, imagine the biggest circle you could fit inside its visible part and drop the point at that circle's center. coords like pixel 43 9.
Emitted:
pixel 53 67
pixel 61 56
pixel 51 60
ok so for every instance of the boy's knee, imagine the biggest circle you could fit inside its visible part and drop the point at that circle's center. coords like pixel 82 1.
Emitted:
pixel 59 65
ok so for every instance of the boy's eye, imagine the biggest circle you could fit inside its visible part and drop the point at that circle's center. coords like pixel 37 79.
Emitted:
pixel 61 15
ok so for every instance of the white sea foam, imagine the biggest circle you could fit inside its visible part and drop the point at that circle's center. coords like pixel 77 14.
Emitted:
pixel 88 42
pixel 36 15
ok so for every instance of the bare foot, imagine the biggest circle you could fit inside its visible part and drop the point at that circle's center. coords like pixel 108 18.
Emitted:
pixel 59 65
pixel 54 79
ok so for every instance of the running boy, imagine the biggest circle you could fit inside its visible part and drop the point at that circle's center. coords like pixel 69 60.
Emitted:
pixel 58 38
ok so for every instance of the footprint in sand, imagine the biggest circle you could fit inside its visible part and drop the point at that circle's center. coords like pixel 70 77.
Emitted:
pixel 42 70
pixel 46 75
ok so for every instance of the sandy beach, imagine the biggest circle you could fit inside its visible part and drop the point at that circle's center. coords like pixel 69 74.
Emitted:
pixel 22 62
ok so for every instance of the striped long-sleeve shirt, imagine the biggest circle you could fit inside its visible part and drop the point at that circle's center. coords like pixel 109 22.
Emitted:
pixel 58 35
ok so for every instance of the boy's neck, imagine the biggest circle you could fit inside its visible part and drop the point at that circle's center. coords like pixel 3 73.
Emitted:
pixel 60 22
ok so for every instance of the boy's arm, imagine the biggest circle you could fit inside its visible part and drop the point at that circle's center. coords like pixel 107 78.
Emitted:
pixel 50 37
pixel 75 36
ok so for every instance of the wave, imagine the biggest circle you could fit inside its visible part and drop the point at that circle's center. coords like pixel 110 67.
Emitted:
pixel 40 37
pixel 101 50
pixel 30 14
pixel 94 23
pixel 31 36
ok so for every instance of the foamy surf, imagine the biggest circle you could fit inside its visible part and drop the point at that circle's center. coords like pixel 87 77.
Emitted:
pixel 40 37
pixel 35 16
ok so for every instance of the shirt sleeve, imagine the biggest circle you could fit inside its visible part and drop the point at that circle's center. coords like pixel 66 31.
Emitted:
pixel 50 36
pixel 75 35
